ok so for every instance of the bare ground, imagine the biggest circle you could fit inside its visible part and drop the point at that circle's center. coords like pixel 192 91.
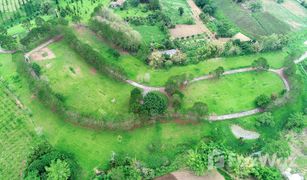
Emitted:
pixel 187 175
pixel 242 133
pixel 42 54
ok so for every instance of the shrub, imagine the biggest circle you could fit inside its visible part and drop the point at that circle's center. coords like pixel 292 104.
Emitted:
pixel 155 103
pixel 265 119
pixel 279 147
pixel 266 173
pixel 295 122
pixel 36 68
pixel 136 98
pixel 261 64
pixel 263 101
pixel 199 109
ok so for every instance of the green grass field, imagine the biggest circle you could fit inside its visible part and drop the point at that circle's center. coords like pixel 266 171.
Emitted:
pixel 85 90
pixel 137 69
pixel 170 8
pixel 232 93
pixel 150 33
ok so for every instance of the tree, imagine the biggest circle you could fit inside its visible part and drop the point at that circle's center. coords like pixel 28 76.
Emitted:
pixel 181 11
pixel 76 19
pixel 36 68
pixel 255 6
pixel 58 170
pixel 296 122
pixel 8 42
pixel 175 83
pixel 39 21
pixel 290 68
pixel 218 72
pixel 3 30
pixel 26 24
pixel 262 101
pixel 154 5
pixel 199 109
pixel 177 101
pixel 261 64
pixel 266 173
pixel 155 103
pixel 136 98
pixel 265 119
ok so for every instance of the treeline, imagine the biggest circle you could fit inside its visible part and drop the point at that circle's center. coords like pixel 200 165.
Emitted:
pixel 114 29
pixel 93 57
pixel 56 101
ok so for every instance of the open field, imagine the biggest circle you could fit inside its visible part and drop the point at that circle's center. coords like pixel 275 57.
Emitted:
pixel 170 8
pixel 85 90
pixel 150 33
pixel 137 69
pixel 233 93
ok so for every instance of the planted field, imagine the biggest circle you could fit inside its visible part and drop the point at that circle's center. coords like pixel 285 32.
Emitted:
pixel 290 12
pixel 170 8
pixel 233 93
pixel 85 90
pixel 248 24
pixel 139 71
pixel 16 137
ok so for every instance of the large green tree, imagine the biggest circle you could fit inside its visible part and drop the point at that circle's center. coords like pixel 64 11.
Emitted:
pixel 58 170
pixel 155 103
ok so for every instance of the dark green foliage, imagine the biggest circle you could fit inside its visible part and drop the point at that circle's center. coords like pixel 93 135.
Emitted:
pixel 155 103
pixel 135 101
pixel 279 147
pixel 261 64
pixel 265 119
pixel 200 110
pixel 263 101
pixel 7 42
pixel 296 122
pixel 266 173
pixel 36 68
pixel 93 57
pixel 176 83
pixel 154 5
pixel 218 72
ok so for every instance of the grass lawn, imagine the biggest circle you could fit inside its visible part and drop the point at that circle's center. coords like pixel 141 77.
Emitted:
pixel 137 69
pixel 232 93
pixel 170 9
pixel 85 90
pixel 150 33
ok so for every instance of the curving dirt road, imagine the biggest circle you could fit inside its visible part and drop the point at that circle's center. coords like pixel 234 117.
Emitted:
pixel 146 89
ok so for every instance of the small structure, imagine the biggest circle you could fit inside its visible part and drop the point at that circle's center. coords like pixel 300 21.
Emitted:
pixel 170 52
pixel 241 37
pixel 117 3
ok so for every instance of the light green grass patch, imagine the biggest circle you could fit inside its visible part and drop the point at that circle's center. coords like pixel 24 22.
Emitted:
pixel 170 9
pixel 85 90
pixel 232 93
pixel 150 33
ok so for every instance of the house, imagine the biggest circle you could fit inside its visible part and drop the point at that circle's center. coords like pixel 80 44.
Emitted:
pixel 170 52
pixel 117 3
pixel 241 37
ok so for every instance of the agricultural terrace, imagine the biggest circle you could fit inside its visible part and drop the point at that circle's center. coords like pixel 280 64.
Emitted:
pixel 85 90
pixel 254 24
pixel 242 89
pixel 140 72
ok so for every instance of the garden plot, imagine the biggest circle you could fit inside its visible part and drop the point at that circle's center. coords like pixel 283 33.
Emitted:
pixel 85 92
pixel 170 9
pixel 232 93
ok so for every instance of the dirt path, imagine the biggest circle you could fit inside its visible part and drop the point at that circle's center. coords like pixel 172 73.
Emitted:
pixel 239 132
pixel 196 12
pixel 2 51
